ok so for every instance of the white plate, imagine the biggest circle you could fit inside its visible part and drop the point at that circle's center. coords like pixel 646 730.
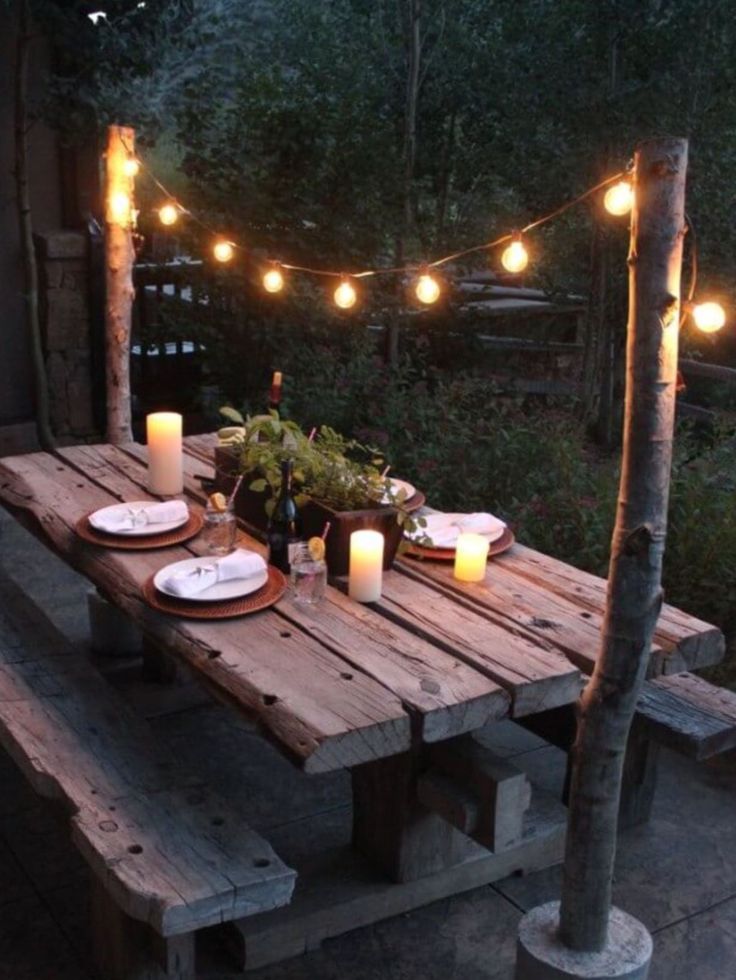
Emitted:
pixel 397 485
pixel 234 588
pixel 490 536
pixel 134 532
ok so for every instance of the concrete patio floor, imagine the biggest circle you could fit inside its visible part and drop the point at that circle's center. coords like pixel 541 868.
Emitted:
pixel 677 874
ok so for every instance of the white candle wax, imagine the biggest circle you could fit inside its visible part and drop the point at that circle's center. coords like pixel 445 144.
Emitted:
pixel 471 554
pixel 165 464
pixel 366 566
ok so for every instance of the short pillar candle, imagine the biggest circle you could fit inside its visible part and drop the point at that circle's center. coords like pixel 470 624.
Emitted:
pixel 471 555
pixel 165 462
pixel 366 566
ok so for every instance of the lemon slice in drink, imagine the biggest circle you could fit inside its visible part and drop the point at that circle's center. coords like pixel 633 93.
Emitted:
pixel 316 548
pixel 218 502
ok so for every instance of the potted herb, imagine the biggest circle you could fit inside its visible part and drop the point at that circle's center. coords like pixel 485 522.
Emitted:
pixel 336 479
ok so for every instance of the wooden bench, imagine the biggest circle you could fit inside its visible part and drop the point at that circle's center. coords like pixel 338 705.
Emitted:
pixel 682 712
pixel 167 856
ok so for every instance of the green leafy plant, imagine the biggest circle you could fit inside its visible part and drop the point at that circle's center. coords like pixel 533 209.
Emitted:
pixel 342 474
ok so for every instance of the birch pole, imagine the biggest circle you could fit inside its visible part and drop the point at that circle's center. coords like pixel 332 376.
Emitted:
pixel 119 257
pixel 607 705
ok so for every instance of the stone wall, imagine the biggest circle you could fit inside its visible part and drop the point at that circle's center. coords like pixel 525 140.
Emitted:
pixel 64 303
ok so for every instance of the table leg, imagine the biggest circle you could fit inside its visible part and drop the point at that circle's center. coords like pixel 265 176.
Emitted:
pixel 391 828
pixel 158 666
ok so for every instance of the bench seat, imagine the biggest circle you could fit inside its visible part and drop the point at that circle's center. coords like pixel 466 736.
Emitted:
pixel 165 848
pixel 688 714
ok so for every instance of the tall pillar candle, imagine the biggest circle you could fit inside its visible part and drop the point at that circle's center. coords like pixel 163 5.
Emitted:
pixel 471 555
pixel 366 566
pixel 165 461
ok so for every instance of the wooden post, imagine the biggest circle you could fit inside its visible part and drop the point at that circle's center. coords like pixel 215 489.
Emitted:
pixel 119 257
pixel 607 705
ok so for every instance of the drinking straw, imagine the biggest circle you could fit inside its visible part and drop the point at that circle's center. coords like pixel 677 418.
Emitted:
pixel 231 498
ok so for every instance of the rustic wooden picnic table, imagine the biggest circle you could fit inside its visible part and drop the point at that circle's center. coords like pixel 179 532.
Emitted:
pixel 392 692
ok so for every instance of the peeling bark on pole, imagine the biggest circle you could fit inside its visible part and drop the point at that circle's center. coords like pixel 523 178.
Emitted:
pixel 119 257
pixel 608 703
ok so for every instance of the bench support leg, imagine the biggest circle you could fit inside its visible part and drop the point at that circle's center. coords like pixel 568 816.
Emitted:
pixel 158 666
pixel 392 828
pixel 126 949
pixel 639 779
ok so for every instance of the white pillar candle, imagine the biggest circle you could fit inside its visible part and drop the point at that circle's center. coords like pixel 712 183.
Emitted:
pixel 165 461
pixel 471 554
pixel 366 566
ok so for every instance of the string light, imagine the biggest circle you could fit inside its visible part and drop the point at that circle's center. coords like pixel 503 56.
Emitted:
pixel 120 207
pixel 515 257
pixel 223 251
pixel 619 199
pixel 345 296
pixel 273 280
pixel 708 317
pixel 427 289
pixel 168 214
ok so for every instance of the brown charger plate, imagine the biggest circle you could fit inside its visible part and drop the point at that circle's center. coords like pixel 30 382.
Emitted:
pixel 414 502
pixel 497 547
pixel 142 543
pixel 266 596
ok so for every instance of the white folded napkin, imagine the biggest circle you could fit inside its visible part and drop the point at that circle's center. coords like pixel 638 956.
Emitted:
pixel 443 529
pixel 128 518
pixel 239 564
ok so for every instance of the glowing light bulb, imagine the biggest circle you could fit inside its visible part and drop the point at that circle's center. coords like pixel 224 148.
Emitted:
pixel 131 166
pixel 273 280
pixel 345 295
pixel 427 289
pixel 120 207
pixel 709 317
pixel 619 199
pixel 515 257
pixel 168 214
pixel 223 251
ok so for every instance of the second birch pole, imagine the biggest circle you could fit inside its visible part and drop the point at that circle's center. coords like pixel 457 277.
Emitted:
pixel 591 939
pixel 119 258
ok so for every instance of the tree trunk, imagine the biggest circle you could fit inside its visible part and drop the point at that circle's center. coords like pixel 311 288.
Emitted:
pixel 119 257
pixel 607 706
pixel 25 228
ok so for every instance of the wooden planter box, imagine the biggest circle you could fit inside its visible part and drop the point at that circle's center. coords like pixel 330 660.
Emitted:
pixel 251 508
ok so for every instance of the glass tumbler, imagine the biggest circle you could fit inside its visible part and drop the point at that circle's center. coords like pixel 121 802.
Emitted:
pixel 308 576
pixel 219 530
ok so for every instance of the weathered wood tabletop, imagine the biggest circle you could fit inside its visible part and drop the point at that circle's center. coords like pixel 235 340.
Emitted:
pixel 366 688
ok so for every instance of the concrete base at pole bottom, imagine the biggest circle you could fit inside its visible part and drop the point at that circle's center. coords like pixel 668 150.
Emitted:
pixel 541 956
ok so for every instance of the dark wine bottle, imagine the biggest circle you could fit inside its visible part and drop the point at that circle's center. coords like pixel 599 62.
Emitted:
pixel 274 394
pixel 285 525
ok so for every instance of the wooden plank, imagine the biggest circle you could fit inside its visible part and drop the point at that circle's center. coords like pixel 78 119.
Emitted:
pixel 447 696
pixel 281 676
pixel 535 674
pixel 503 790
pixel 125 949
pixel 180 860
pixel 342 891
pixel 686 642
pixel 521 605
pixel 688 714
